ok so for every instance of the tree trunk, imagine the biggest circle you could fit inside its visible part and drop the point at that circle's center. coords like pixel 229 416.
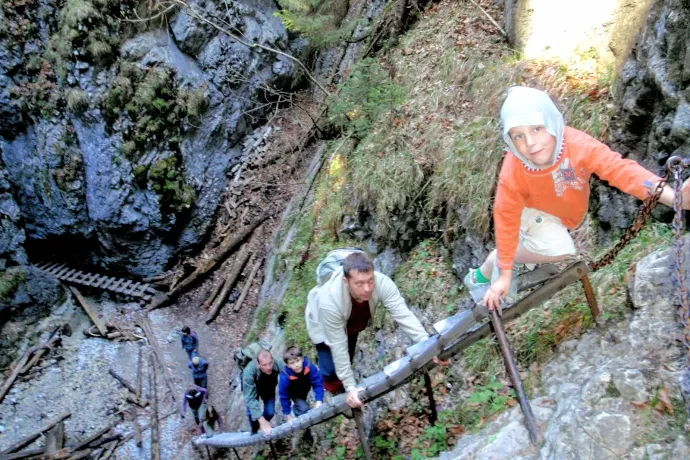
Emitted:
pixel 155 434
pixel 226 247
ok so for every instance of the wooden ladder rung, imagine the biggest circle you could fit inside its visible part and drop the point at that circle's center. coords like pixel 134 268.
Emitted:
pixel 122 287
pixel 73 278
pixel 49 266
pixel 61 272
pixel 109 280
pixel 142 290
pixel 115 285
pixel 89 278
pixel 67 274
pixel 99 281
pixel 56 269
pixel 131 289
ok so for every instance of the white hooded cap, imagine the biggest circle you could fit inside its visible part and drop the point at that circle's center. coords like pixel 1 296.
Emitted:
pixel 528 106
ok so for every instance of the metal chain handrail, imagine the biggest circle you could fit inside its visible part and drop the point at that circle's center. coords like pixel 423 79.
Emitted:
pixel 674 168
pixel 631 232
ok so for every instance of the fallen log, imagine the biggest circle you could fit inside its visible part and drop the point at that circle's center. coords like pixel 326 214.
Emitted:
pixel 55 438
pixel 106 440
pixel 248 284
pixel 52 340
pixel 242 259
pixel 217 287
pixel 155 434
pixel 109 451
pixel 138 388
pixel 226 247
pixel 139 402
pixel 146 327
pixel 25 441
pixel 123 381
pixel 95 319
pixel 137 433
pixel 132 435
pixel 23 454
pixel 94 436
pixel 20 365
pixel 81 454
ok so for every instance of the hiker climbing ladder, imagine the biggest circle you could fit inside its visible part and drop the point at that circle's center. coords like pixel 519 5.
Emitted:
pixel 123 286
pixel 454 334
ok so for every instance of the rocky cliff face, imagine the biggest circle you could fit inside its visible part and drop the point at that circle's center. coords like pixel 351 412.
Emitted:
pixel 652 119
pixel 117 140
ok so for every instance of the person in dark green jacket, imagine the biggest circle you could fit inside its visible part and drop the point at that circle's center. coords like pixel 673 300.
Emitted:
pixel 259 381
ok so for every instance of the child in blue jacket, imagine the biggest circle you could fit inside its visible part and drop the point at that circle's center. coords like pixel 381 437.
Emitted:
pixel 298 377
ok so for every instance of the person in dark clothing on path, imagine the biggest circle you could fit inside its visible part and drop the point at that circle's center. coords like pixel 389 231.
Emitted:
pixel 199 367
pixel 195 398
pixel 298 377
pixel 190 342
pixel 259 380
pixel 212 419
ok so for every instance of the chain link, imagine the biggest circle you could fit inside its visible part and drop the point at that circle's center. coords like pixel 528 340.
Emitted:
pixel 679 274
pixel 631 232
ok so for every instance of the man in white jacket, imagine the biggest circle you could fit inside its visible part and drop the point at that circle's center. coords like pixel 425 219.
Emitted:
pixel 341 308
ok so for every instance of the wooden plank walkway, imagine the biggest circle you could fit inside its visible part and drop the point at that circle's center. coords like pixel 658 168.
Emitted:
pixel 123 286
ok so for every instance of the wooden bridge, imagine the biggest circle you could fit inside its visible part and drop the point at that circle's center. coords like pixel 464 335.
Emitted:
pixel 77 277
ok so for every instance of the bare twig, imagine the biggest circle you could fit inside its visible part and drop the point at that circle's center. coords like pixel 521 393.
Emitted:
pixel 503 32
pixel 198 16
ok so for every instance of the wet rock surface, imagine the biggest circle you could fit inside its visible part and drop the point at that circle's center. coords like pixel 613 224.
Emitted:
pixel 652 117
pixel 73 183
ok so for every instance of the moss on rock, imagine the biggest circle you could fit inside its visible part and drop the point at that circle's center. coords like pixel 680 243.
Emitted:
pixel 10 280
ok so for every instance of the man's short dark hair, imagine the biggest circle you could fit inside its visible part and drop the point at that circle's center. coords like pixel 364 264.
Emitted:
pixel 357 261
pixel 185 330
pixel 293 352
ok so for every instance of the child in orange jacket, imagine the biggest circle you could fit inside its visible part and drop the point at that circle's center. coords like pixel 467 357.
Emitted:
pixel 543 190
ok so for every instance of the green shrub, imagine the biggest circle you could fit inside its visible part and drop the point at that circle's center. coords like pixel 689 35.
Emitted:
pixel 366 95
pixel 99 50
pixel 129 148
pixel 77 101
pixel 76 12
pixel 320 20
pixel 167 180
pixel 196 102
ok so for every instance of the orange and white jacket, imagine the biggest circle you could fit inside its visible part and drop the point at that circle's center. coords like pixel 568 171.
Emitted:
pixel 562 189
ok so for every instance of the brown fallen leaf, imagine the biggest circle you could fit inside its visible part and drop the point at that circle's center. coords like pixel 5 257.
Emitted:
pixel 665 399
pixel 640 404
